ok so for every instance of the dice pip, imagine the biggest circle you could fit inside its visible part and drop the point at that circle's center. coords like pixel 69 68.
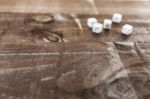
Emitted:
pixel 107 24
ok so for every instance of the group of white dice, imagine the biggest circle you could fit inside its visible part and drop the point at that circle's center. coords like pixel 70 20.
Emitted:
pixel 97 27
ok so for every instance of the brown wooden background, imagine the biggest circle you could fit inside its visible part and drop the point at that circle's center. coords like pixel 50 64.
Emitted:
pixel 31 68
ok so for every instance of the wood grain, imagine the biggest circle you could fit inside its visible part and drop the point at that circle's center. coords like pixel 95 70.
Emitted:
pixel 63 59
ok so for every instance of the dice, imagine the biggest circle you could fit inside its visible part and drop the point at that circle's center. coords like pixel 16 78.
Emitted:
pixel 127 29
pixel 91 21
pixel 107 24
pixel 97 28
pixel 117 18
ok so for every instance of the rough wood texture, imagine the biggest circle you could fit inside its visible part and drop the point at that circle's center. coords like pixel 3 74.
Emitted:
pixel 42 58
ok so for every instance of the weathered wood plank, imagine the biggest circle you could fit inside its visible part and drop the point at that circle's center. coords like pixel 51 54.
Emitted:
pixel 69 29
pixel 58 65
pixel 88 66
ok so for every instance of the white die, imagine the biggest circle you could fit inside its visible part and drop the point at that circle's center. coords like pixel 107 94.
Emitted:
pixel 91 21
pixel 97 28
pixel 117 18
pixel 107 24
pixel 127 29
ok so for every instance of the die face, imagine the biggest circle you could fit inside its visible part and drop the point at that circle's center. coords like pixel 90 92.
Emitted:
pixel 127 29
pixel 117 18
pixel 91 21
pixel 97 28
pixel 107 24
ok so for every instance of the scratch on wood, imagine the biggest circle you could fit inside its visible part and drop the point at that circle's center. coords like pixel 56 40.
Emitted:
pixel 50 53
pixel 47 78
pixel 77 21
pixel 25 69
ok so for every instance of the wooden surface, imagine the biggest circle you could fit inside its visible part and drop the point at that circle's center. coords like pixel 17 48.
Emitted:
pixel 73 63
pixel 138 7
